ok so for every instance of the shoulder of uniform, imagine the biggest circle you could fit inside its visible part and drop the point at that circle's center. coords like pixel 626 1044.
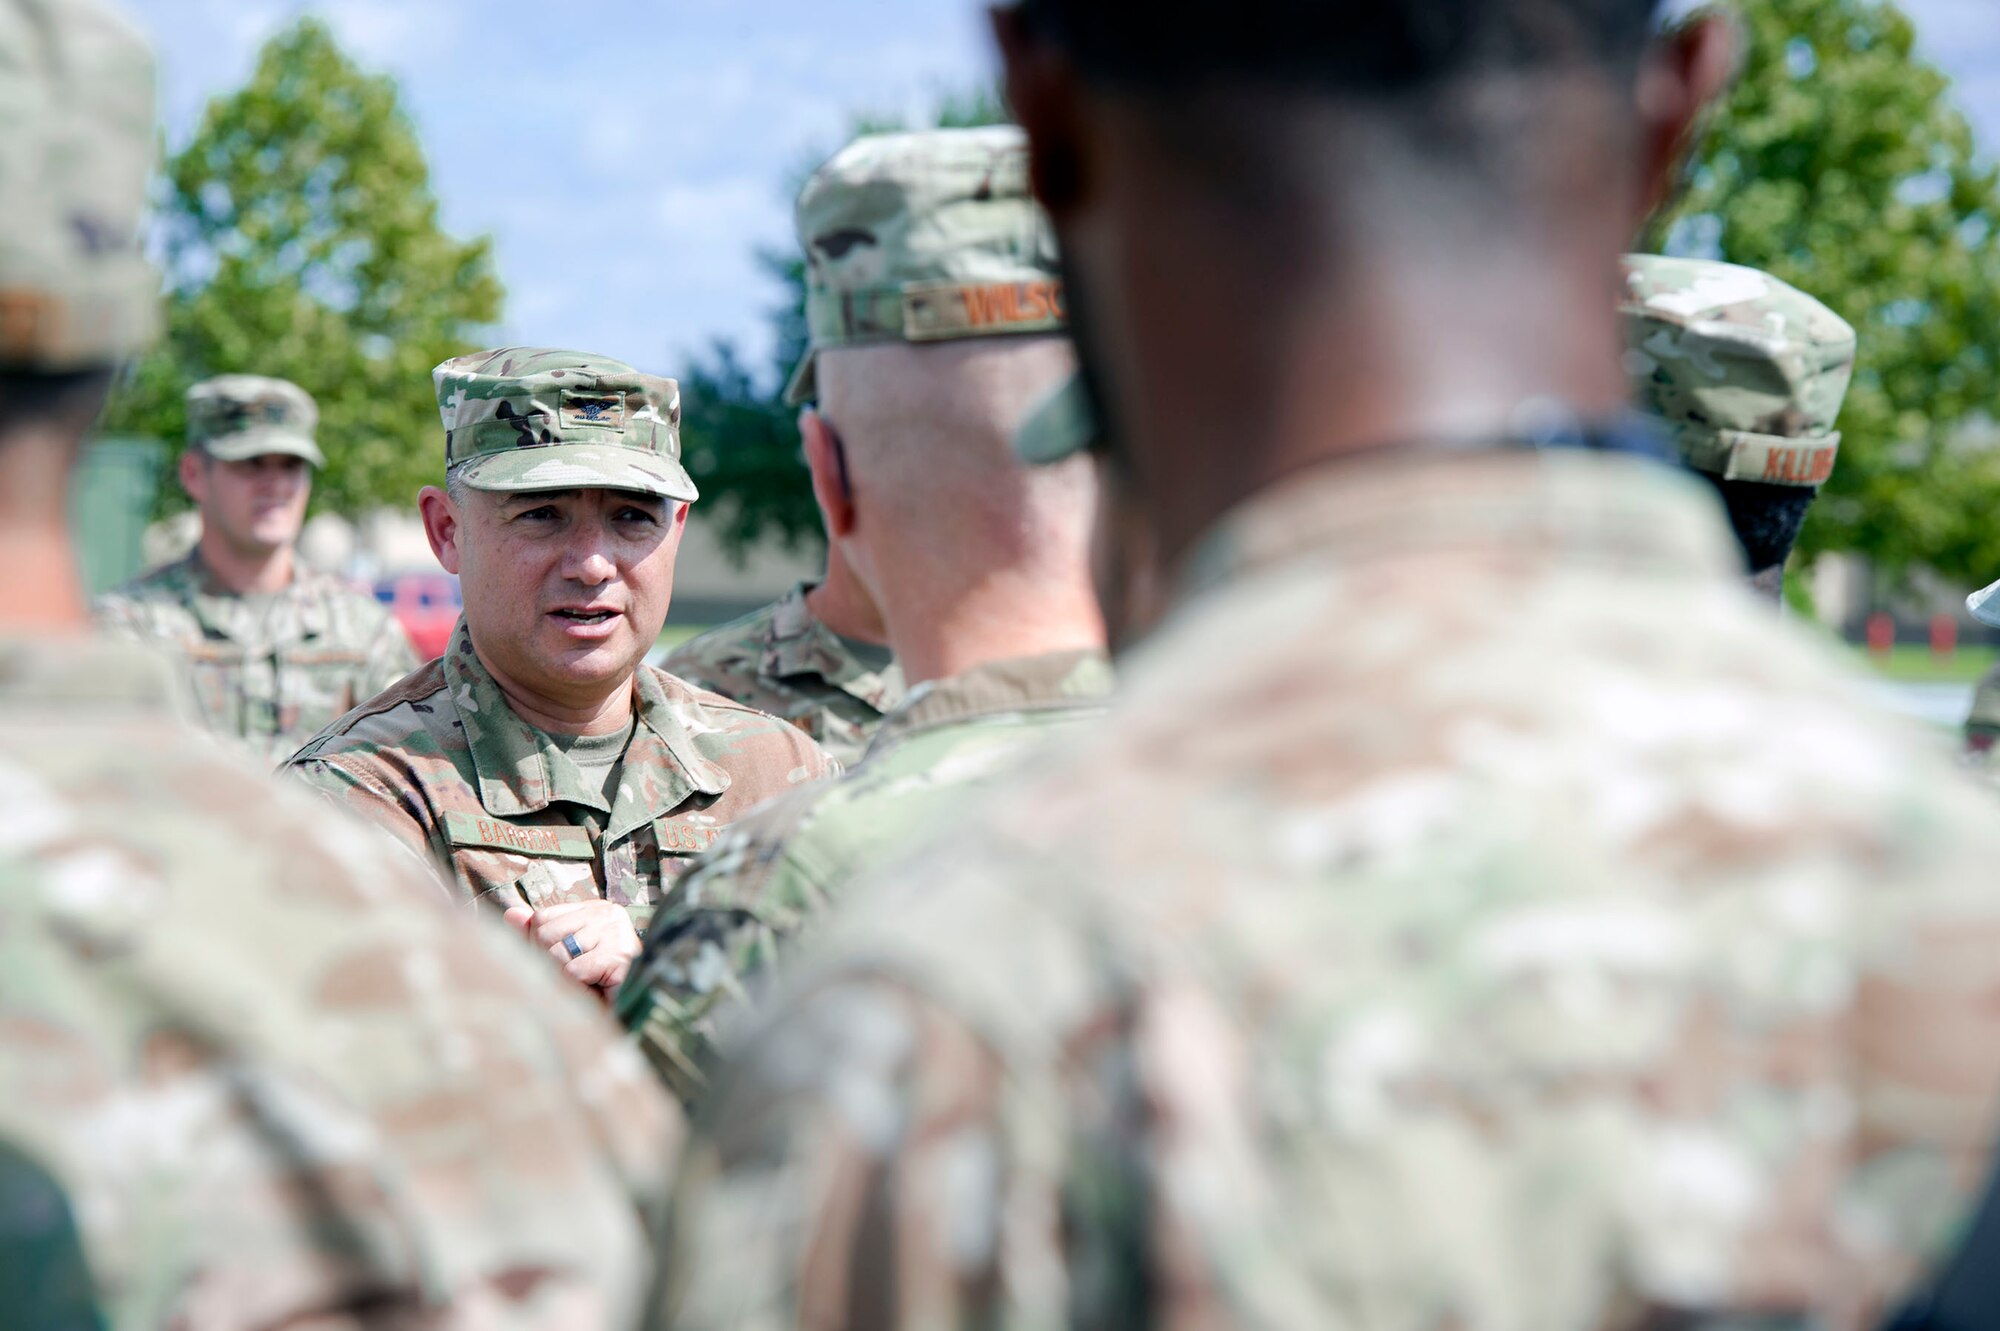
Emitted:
pixel 741 637
pixel 728 713
pixel 419 693
pixel 165 581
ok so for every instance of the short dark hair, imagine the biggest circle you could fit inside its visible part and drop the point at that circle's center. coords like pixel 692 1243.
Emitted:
pixel 1384 48
pixel 32 397
pixel 1766 518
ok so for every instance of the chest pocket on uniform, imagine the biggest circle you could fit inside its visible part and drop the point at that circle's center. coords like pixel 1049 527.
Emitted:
pixel 512 864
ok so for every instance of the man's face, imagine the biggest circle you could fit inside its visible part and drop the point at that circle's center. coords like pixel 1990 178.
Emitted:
pixel 565 591
pixel 255 506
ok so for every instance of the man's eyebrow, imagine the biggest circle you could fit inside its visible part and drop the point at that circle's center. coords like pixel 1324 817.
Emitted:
pixel 534 497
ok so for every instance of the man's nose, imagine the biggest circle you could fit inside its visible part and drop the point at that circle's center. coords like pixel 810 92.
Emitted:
pixel 588 561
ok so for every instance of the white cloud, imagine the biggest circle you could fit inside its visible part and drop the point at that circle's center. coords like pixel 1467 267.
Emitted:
pixel 399 34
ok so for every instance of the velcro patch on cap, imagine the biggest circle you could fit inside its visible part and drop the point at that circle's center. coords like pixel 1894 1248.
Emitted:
pixel 939 311
pixel 583 409
pixel 555 843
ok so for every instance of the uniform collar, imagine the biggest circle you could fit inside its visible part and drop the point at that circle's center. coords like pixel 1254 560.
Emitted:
pixel 1053 682
pixel 227 614
pixel 798 644
pixel 83 671
pixel 1535 509
pixel 519 772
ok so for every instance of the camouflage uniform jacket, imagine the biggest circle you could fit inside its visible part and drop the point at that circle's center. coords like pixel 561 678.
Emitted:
pixel 771 875
pixel 442 761
pixel 273 674
pixel 783 661
pixel 1522 929
pixel 253 1073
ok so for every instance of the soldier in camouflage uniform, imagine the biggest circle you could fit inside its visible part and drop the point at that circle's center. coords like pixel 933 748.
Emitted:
pixel 980 569
pixel 273 651
pixel 545 769
pixel 249 1075
pixel 789 660
pixel 1477 912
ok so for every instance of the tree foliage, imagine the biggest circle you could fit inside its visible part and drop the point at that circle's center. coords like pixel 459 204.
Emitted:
pixel 301 239
pixel 740 439
pixel 1841 165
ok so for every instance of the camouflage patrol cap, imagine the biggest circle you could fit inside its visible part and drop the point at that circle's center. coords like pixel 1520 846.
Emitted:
pixel 532 418
pixel 238 416
pixel 1747 372
pixel 924 237
pixel 76 153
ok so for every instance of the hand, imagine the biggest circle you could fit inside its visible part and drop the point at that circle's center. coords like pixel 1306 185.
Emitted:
pixel 606 941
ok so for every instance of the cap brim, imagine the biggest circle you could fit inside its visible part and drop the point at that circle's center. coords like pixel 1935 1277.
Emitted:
pixel 1984 605
pixel 804 385
pixel 246 444
pixel 579 467
pixel 1062 426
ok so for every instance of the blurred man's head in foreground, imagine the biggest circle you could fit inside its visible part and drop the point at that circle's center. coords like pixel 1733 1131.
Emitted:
pixel 1296 231
pixel 77 297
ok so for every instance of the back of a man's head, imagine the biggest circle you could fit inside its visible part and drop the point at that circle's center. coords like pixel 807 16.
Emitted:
pixel 1315 230
pixel 1355 51
pixel 927 434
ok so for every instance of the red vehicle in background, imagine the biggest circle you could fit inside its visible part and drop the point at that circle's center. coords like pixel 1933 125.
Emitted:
pixel 426 605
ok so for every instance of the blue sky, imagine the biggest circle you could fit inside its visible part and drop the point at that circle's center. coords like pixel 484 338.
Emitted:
pixel 628 156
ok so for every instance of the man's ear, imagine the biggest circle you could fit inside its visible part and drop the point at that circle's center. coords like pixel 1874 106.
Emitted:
pixel 827 462
pixel 440 525
pixel 191 475
pixel 1689 69
pixel 1044 93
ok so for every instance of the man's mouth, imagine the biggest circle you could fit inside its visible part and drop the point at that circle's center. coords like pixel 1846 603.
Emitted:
pixel 585 616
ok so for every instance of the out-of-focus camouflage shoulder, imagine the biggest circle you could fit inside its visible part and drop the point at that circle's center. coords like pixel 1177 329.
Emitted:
pixel 155 602
pixel 355 617
pixel 196 964
pixel 725 659
pixel 724 729
pixel 389 719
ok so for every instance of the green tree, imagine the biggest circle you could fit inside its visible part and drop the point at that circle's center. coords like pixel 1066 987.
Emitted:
pixel 740 438
pixel 302 240
pixel 1841 165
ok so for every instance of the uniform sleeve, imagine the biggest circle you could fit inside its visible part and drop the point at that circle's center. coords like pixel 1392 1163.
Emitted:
pixel 850 1173
pixel 117 617
pixel 715 942
pixel 348 782
pixel 1927 1050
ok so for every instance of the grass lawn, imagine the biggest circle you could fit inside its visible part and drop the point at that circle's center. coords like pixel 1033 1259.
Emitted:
pixel 1912 663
